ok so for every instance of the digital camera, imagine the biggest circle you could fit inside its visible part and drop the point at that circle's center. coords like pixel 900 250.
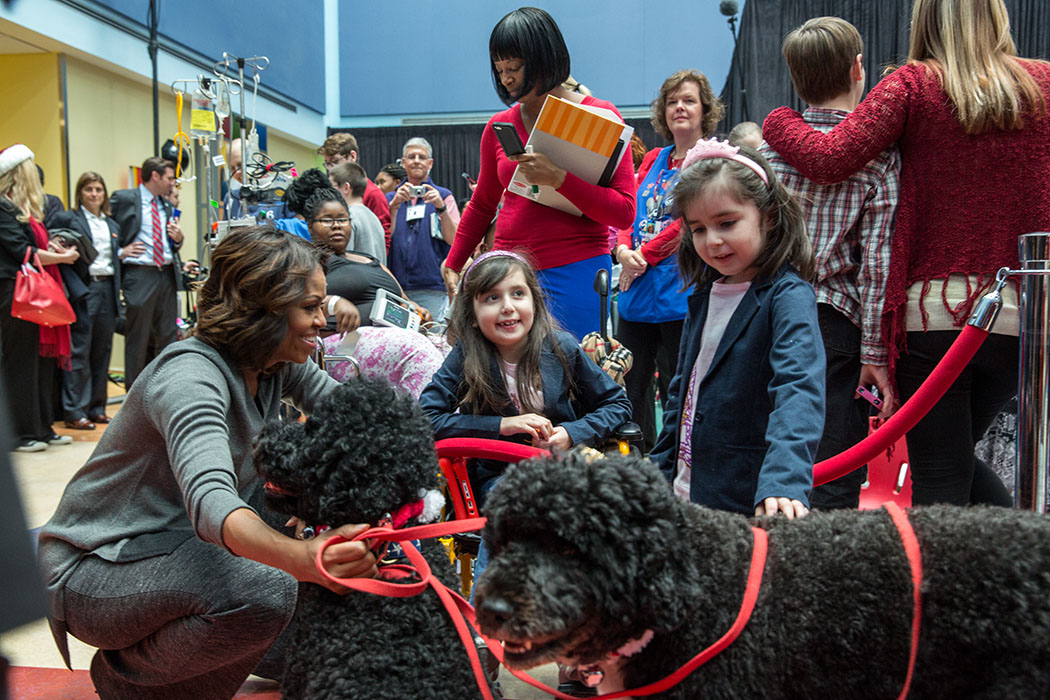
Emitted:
pixel 419 190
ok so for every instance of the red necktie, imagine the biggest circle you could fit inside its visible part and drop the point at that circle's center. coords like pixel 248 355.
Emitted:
pixel 158 242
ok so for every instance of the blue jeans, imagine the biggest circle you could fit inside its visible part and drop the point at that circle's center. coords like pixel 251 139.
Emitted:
pixel 434 300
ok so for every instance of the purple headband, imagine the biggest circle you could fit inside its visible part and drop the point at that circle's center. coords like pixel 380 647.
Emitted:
pixel 494 254
pixel 713 148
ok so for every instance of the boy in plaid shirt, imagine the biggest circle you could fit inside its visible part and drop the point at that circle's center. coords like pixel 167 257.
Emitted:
pixel 850 224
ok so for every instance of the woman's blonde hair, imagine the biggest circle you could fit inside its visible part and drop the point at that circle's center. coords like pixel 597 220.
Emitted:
pixel 21 184
pixel 967 44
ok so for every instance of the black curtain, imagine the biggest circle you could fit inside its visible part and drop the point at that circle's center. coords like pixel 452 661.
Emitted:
pixel 759 66
pixel 457 149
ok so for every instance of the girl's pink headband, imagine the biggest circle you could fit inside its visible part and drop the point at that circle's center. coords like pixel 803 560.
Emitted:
pixel 713 148
pixel 494 254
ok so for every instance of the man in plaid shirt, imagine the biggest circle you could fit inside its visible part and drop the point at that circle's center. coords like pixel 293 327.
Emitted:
pixel 850 224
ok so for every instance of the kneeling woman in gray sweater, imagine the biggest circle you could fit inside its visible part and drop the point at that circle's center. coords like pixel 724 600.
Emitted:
pixel 155 555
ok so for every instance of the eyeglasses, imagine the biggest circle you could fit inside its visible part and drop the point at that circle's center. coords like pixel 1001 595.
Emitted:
pixel 329 223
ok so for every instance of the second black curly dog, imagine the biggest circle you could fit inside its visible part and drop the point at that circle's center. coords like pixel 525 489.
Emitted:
pixel 588 557
pixel 366 452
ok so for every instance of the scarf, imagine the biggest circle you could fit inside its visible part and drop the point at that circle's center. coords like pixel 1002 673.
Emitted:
pixel 54 342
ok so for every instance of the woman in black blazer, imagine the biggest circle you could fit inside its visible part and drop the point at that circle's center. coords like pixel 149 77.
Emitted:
pixel 84 385
pixel 28 351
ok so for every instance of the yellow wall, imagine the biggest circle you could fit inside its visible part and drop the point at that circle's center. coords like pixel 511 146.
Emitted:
pixel 111 129
pixel 32 112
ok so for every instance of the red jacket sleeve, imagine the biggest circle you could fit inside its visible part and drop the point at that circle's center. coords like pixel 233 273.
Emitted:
pixel 876 123
pixel 375 200
pixel 624 237
pixel 483 204
pixel 612 205
pixel 663 244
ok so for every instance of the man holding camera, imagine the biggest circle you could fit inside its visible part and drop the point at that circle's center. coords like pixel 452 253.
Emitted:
pixel 424 218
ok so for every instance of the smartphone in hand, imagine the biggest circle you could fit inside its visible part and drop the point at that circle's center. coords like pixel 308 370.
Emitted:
pixel 868 396
pixel 508 137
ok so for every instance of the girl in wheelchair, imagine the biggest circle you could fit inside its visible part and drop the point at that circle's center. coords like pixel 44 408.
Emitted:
pixel 513 374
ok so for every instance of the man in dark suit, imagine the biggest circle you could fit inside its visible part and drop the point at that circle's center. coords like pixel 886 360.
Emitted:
pixel 149 242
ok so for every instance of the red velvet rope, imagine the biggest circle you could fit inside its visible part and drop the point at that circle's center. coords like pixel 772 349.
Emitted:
pixel 931 391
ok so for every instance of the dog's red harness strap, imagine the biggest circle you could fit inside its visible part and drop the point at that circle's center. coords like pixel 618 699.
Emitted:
pixel 911 548
pixel 421 567
pixel 398 590
pixel 754 583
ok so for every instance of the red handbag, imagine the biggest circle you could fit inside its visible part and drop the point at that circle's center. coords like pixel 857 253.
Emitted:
pixel 39 297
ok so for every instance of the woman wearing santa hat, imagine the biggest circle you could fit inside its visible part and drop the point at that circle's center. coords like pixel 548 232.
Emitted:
pixel 27 351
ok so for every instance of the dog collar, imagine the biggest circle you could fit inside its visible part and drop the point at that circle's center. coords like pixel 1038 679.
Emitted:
pixel 593 674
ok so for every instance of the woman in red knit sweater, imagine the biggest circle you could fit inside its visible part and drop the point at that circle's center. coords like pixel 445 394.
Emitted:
pixel 530 61
pixel 970 120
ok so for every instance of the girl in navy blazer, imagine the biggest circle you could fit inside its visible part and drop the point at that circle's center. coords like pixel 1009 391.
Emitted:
pixel 513 375
pixel 746 406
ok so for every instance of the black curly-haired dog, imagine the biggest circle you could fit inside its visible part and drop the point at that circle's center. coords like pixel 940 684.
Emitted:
pixel 365 452
pixel 587 557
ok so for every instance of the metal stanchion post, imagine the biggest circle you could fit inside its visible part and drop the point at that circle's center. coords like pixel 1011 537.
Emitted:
pixel 202 186
pixel 1033 394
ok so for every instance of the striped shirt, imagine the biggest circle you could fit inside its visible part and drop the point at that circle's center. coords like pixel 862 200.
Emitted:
pixel 850 224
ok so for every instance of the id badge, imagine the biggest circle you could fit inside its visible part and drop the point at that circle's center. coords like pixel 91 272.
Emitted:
pixel 650 229
pixel 415 211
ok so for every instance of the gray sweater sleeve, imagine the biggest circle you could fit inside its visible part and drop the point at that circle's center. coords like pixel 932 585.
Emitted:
pixel 189 402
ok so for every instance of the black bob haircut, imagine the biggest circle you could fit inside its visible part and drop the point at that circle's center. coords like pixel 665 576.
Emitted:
pixel 532 35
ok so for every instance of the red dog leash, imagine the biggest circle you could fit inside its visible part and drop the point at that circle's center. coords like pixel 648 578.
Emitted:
pixel 911 549
pixel 454 602
pixel 420 566
pixel 754 583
